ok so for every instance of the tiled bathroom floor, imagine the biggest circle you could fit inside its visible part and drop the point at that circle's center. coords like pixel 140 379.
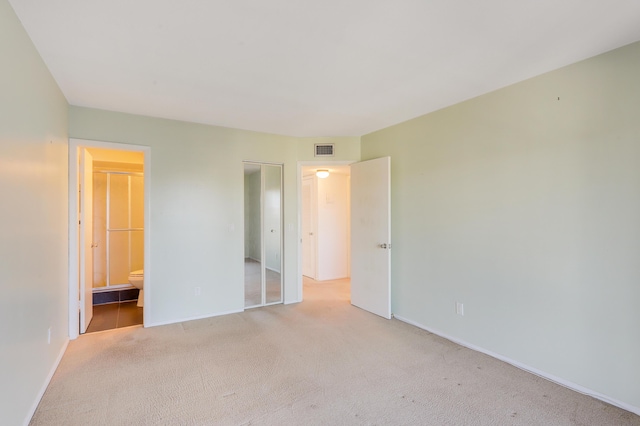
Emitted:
pixel 115 315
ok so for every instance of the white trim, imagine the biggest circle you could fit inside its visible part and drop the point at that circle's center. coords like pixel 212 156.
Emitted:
pixel 302 164
pixel 557 380
pixel 74 144
pixel 198 317
pixel 43 389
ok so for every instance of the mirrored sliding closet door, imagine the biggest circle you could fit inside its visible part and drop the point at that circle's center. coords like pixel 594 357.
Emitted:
pixel 262 234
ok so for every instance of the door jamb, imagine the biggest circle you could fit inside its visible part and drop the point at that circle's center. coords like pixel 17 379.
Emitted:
pixel 74 258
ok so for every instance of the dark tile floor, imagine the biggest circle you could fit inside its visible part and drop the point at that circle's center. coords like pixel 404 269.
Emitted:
pixel 115 315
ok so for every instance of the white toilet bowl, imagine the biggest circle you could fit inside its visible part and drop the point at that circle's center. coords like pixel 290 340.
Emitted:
pixel 136 279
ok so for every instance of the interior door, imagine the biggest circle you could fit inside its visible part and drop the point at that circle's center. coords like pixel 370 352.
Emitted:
pixel 371 236
pixel 86 239
pixel 308 230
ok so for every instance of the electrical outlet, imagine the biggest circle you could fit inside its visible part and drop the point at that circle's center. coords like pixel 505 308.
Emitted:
pixel 49 335
pixel 459 308
pixel 197 291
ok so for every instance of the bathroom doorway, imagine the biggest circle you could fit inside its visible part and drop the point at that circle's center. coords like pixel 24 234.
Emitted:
pixel 109 215
pixel 263 283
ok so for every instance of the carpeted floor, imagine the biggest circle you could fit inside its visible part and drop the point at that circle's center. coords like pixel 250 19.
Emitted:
pixel 320 362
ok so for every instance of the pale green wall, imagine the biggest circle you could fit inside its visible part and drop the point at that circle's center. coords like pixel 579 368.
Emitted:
pixel 197 189
pixel 524 204
pixel 33 221
pixel 520 205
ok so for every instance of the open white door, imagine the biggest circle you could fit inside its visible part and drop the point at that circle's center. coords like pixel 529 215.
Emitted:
pixel 86 239
pixel 371 236
pixel 308 230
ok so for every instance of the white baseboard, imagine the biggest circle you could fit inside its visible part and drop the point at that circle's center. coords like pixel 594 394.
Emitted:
pixel 34 407
pixel 558 380
pixel 198 317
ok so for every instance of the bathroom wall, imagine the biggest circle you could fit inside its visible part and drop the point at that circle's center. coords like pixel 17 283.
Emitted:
pixel 196 183
pixel 33 223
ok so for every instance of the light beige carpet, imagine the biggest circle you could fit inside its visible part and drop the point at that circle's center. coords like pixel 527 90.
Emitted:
pixel 320 362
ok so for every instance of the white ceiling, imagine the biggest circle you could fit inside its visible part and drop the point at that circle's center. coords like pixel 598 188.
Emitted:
pixel 310 68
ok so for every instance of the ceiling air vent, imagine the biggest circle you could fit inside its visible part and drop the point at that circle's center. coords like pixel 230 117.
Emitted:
pixel 323 150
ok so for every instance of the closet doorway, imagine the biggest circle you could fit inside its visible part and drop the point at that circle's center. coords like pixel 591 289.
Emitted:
pixel 263 265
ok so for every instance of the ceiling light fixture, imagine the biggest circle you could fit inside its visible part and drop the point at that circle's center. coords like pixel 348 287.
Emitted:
pixel 322 173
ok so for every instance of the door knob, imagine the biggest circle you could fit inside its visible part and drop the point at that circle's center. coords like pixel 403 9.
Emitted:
pixel 383 246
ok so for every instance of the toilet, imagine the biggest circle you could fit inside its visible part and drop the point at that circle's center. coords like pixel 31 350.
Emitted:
pixel 136 278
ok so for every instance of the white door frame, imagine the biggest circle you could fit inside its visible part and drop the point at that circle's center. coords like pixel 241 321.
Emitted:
pixel 85 247
pixel 301 164
pixel 74 258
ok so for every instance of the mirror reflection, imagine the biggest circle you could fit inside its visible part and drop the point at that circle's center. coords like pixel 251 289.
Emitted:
pixel 263 234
